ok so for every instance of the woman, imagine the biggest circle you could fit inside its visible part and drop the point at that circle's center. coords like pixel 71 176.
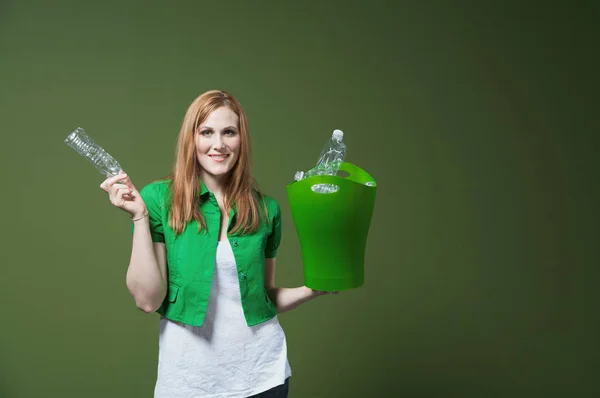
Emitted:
pixel 204 250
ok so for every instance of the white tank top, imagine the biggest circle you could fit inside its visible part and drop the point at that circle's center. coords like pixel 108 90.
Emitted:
pixel 224 358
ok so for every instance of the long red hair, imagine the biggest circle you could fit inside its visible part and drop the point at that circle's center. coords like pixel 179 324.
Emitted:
pixel 241 191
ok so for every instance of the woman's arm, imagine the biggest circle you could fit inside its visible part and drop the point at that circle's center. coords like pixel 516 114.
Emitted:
pixel 286 299
pixel 147 272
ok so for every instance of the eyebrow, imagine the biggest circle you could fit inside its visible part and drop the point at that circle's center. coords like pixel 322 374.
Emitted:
pixel 210 128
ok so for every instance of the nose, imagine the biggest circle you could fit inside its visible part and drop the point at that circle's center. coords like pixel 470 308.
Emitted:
pixel 219 144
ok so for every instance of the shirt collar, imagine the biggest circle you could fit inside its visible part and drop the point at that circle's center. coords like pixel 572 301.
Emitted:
pixel 203 189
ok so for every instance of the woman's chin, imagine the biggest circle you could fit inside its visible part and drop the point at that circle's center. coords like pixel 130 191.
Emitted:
pixel 218 172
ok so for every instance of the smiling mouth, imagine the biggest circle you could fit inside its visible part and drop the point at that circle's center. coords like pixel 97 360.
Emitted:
pixel 218 158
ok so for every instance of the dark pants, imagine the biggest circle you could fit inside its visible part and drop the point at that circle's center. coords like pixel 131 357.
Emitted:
pixel 280 391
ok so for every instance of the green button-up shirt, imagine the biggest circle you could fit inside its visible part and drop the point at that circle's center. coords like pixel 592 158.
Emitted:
pixel 191 257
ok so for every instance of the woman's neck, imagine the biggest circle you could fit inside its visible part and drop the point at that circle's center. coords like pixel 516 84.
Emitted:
pixel 214 185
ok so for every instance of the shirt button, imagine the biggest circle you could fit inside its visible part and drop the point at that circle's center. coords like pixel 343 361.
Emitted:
pixel 243 276
pixel 235 243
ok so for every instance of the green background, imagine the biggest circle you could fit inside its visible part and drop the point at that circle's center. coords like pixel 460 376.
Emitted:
pixel 479 123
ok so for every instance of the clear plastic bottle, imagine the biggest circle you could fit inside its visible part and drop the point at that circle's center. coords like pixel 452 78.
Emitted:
pixel 329 162
pixel 86 147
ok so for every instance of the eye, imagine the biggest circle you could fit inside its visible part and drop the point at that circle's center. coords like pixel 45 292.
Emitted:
pixel 205 132
pixel 229 132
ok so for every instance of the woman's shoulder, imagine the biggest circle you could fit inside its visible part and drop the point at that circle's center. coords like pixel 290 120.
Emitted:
pixel 156 189
pixel 271 204
pixel 157 185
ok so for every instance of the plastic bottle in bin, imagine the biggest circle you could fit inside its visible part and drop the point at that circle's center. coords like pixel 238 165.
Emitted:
pixel 329 162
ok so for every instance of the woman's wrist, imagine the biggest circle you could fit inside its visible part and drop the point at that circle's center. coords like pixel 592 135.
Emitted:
pixel 139 216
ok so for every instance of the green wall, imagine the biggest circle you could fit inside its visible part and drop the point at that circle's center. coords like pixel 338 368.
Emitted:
pixel 479 123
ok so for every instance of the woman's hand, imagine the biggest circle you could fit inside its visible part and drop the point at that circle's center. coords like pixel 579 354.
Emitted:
pixel 123 194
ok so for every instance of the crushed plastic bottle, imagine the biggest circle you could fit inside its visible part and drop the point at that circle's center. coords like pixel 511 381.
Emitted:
pixel 86 147
pixel 329 162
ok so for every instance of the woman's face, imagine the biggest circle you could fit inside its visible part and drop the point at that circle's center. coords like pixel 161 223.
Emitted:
pixel 218 143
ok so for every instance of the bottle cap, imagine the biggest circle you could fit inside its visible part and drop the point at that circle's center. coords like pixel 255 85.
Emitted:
pixel 338 134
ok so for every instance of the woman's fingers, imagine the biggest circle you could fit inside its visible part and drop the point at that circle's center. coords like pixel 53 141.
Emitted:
pixel 122 193
pixel 119 196
pixel 125 180
pixel 106 184
pixel 118 186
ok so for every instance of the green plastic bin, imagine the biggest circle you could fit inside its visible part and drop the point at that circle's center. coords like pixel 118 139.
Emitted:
pixel 333 227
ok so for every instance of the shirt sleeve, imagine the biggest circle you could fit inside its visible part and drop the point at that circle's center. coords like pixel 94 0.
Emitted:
pixel 153 201
pixel 274 238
